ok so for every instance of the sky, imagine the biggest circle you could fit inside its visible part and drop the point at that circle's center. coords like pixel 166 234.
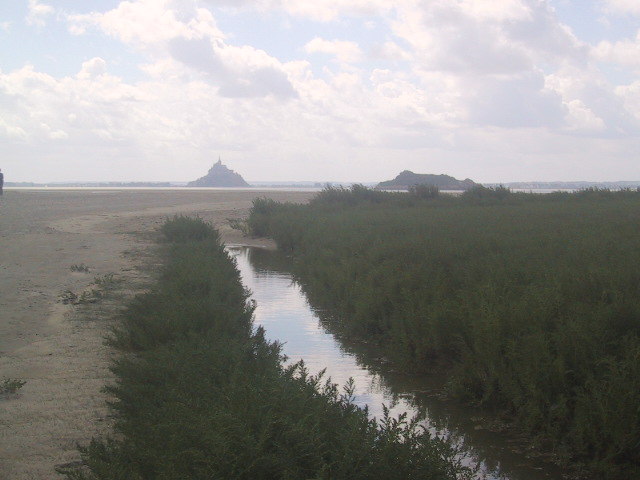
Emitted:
pixel 320 90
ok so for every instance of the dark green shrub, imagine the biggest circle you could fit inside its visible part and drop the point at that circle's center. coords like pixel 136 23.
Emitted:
pixel 356 194
pixel 11 385
pixel 479 192
pixel 425 191
pixel 183 229
pixel 262 210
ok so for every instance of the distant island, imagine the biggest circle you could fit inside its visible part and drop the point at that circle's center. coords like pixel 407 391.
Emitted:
pixel 219 176
pixel 408 179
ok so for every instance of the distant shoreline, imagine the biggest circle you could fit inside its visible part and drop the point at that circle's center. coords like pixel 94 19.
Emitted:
pixel 114 188
pixel 305 186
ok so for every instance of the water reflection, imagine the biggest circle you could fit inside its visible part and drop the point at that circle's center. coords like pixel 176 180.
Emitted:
pixel 284 312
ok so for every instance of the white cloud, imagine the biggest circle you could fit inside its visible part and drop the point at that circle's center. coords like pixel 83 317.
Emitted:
pixel 146 23
pixel 490 60
pixel 630 95
pixel 625 52
pixel 327 10
pixel 581 119
pixel 477 37
pixel 344 51
pixel 187 34
pixel 92 68
pixel 322 11
pixel 390 51
pixel 515 101
pixel 11 131
pixel 237 71
pixel 37 13
pixel 505 10
pixel 623 6
pixel 590 92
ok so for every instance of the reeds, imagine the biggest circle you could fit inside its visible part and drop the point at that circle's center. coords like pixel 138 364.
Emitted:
pixel 200 393
pixel 532 300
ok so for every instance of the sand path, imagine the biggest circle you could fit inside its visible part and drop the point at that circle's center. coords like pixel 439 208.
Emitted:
pixel 58 348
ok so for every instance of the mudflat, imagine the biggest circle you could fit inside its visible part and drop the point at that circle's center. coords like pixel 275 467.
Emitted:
pixel 55 246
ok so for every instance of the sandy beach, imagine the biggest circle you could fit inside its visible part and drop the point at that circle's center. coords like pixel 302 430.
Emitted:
pixel 58 348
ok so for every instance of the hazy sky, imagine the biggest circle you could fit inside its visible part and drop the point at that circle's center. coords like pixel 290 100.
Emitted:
pixel 341 90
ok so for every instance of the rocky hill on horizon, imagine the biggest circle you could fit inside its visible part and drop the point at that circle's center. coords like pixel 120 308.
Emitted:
pixel 219 176
pixel 408 179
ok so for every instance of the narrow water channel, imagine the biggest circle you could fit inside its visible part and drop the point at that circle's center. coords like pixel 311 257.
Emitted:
pixel 284 312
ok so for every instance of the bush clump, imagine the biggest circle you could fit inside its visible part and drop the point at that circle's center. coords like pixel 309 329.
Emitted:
pixel 182 228
pixel 424 191
pixel 11 385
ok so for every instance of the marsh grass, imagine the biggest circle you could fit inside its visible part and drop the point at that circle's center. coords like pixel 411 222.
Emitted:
pixel 239 224
pixel 105 284
pixel 11 385
pixel 68 297
pixel 182 228
pixel 79 268
pixel 107 281
pixel 531 301
pixel 200 393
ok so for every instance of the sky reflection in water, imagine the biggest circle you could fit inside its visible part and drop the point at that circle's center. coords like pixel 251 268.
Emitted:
pixel 284 312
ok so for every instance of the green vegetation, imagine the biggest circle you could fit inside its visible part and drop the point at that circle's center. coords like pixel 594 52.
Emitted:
pixel 105 284
pixel 107 281
pixel 183 228
pixel 201 394
pixel 532 302
pixel 68 297
pixel 239 224
pixel 79 268
pixel 10 385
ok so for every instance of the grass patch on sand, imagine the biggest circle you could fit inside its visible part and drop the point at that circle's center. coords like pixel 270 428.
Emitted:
pixel 11 385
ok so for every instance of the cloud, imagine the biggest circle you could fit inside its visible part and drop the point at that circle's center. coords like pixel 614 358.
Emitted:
pixel 165 29
pixel 622 6
pixel 515 102
pixel 37 13
pixel 344 51
pixel 331 9
pixel 484 37
pixel 92 68
pixel 43 107
pixel 321 11
pixel 147 23
pixel 581 118
pixel 630 96
pixel 489 63
pixel 390 51
pixel 625 53
pixel 237 71
pixel 486 10
pixel 588 92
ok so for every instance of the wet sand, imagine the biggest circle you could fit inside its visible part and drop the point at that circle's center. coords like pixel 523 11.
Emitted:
pixel 58 348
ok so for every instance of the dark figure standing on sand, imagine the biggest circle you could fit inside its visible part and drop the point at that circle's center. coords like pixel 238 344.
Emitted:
pixel 1 181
